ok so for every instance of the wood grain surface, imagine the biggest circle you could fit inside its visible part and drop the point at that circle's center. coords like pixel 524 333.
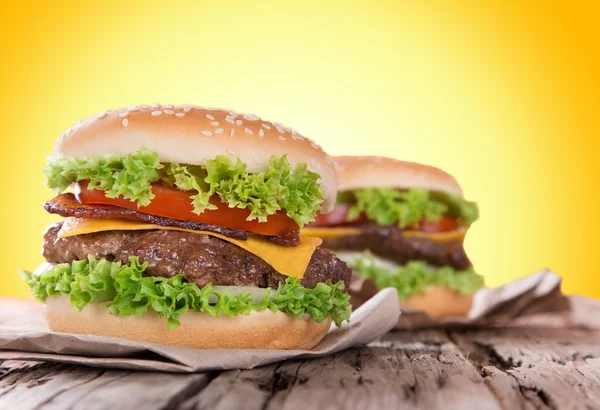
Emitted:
pixel 503 368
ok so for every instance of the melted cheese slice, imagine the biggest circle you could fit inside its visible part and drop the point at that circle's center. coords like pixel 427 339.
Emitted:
pixel 287 260
pixel 329 233
pixel 337 232
pixel 450 236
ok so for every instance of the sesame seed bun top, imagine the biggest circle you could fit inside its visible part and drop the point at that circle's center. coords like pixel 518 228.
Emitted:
pixel 381 172
pixel 189 134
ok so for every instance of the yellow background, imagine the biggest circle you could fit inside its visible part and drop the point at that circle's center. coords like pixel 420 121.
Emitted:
pixel 504 97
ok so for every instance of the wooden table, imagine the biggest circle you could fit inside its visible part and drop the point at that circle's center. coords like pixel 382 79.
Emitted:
pixel 506 368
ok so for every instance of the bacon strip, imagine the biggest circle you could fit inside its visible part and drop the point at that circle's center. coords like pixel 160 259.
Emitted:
pixel 66 205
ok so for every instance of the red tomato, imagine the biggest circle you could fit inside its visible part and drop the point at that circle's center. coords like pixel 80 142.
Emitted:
pixel 445 224
pixel 339 216
pixel 173 203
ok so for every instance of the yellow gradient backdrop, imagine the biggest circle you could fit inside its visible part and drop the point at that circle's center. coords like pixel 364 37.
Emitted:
pixel 504 97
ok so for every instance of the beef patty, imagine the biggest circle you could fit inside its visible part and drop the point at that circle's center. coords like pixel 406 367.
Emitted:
pixel 202 259
pixel 390 243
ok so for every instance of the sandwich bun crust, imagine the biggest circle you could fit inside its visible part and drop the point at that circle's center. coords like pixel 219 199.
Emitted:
pixel 189 134
pixel 439 302
pixel 357 172
pixel 258 330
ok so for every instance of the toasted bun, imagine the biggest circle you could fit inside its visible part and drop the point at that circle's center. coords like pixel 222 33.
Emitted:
pixel 191 135
pixel 258 330
pixel 381 172
pixel 440 302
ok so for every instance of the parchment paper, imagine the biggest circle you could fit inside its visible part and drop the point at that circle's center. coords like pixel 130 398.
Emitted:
pixel 34 342
pixel 530 296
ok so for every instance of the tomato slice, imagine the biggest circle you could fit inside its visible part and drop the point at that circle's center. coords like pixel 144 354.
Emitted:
pixel 173 203
pixel 445 224
pixel 339 217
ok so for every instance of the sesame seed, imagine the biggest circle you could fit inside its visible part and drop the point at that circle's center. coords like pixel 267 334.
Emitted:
pixel 282 138
pixel 199 107
pixel 251 117
pixel 178 107
pixel 155 113
pixel 294 137
pixel 179 114
pixel 125 122
pixel 232 132
pixel 232 152
pixel 219 131
pixel 300 137
pixel 215 123
pixel 144 106
pixel 239 122
pixel 233 112
pixel 328 159
pixel 230 119
pixel 210 117
pixel 248 130
pixel 336 165
pixel 206 133
pixel 156 105
pixel 315 146
pixel 266 126
pixel 102 114
pixel 313 162
pixel 261 133
pixel 169 112
pixel 281 130
pixel 124 114
pixel 187 109
pixel 132 108
pixel 168 106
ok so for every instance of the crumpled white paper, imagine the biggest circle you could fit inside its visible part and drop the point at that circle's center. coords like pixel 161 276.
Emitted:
pixel 34 342
pixel 538 293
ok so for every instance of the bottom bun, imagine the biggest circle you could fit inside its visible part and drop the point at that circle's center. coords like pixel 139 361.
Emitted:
pixel 440 302
pixel 258 330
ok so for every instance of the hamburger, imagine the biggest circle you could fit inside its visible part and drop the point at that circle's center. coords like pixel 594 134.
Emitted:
pixel 402 224
pixel 181 226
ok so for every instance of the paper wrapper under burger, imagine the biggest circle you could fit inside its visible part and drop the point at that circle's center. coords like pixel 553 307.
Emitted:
pixel 31 340
pixel 538 293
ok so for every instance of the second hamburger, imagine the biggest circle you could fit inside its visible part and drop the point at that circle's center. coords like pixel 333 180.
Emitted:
pixel 402 224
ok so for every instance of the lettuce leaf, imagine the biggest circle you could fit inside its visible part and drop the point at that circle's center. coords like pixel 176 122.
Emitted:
pixel 416 276
pixel 295 191
pixel 125 291
pixel 387 206
pixel 129 175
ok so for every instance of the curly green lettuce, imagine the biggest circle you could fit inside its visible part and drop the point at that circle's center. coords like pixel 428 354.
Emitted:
pixel 295 191
pixel 387 206
pixel 125 291
pixel 416 276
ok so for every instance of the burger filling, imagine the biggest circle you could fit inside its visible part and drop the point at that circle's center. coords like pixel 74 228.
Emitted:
pixel 402 225
pixel 287 197
pixel 414 277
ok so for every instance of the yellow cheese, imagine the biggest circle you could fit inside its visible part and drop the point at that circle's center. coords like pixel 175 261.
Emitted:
pixel 451 236
pixel 287 260
pixel 337 232
pixel 329 233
